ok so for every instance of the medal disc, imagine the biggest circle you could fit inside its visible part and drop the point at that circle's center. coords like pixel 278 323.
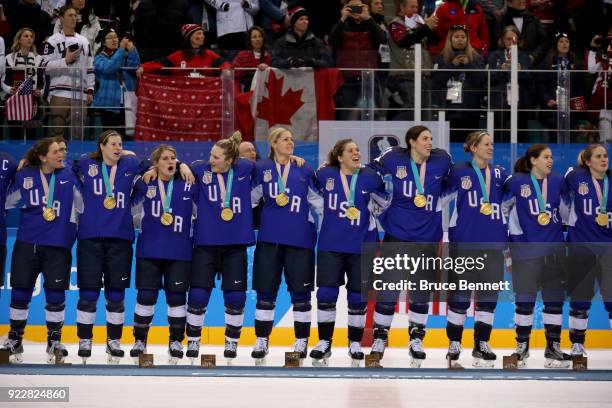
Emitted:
pixel 166 219
pixel 486 209
pixel 543 219
pixel 352 213
pixel 109 202
pixel 420 200
pixel 49 214
pixel 282 199
pixel 602 219
pixel 227 214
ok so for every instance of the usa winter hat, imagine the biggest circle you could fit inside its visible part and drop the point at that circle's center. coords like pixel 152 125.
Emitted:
pixel 188 29
pixel 295 13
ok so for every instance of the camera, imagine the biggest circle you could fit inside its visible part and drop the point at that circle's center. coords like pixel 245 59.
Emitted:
pixel 355 9
pixel 73 47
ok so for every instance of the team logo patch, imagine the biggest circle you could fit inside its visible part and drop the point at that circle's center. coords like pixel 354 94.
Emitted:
pixel 207 177
pixel 93 170
pixel 466 182
pixel 583 188
pixel 329 185
pixel 28 183
pixel 525 190
pixel 400 173
pixel 151 192
pixel 267 176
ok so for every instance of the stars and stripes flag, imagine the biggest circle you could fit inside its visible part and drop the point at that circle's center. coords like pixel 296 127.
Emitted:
pixel 20 106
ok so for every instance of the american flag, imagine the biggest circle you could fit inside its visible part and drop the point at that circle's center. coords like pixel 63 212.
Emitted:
pixel 20 106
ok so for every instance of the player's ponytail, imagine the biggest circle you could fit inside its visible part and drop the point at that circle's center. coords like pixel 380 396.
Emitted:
pixel 40 148
pixel 472 140
pixel 230 146
pixel 523 164
pixel 585 154
pixel 336 151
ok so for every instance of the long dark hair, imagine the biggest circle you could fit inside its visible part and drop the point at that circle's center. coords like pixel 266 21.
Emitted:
pixel 523 164
pixel 336 151
pixel 40 148
pixel 414 132
pixel 103 140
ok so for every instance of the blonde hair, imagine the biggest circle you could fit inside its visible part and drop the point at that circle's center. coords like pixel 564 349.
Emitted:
pixel 15 47
pixel 230 146
pixel 159 150
pixel 273 137
pixel 585 154
pixel 448 51
pixel 473 139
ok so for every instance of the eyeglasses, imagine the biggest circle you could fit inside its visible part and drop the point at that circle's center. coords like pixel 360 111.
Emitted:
pixel 458 27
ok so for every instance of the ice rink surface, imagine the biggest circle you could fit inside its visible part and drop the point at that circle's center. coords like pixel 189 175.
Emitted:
pixel 249 387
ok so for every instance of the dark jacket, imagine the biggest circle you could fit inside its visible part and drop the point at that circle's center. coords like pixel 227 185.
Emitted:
pixel 290 51
pixel 499 80
pixel 26 15
pixel 535 40
pixel 356 45
pixel 474 82
pixel 547 82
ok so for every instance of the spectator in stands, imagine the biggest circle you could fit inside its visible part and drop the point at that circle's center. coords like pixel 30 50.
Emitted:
pixel 255 56
pixel 377 11
pixel 21 63
pixel 560 90
pixel 535 41
pixel 459 85
pixel 88 24
pixel 600 104
pixel 546 11
pixel 407 29
pixel 157 27
pixel 5 27
pixel 68 62
pixel 115 66
pixel 28 13
pixel 299 47
pixel 274 18
pixel 500 81
pixel 327 14
pixel 494 10
pixel 459 12
pixel 189 59
pixel 355 40
pixel 234 18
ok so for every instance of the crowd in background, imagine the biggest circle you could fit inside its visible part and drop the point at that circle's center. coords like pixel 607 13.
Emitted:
pixel 115 42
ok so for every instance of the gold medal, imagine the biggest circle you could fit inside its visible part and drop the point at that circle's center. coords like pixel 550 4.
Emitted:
pixel 486 209
pixel 110 203
pixel 166 219
pixel 352 213
pixel 420 200
pixel 49 214
pixel 602 219
pixel 227 214
pixel 543 219
pixel 282 199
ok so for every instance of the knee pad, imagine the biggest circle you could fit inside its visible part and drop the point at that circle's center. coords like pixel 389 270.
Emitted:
pixel 147 297
pixel 176 298
pixel 199 297
pixel 385 308
pixel 21 297
pixel 327 294
pixel 524 308
pixel 355 301
pixel 301 301
pixel 114 295
pixel 235 299
pixel 580 309
pixel 486 307
pixel 90 295
pixel 420 308
pixel 55 297
pixel 459 307
pixel 553 307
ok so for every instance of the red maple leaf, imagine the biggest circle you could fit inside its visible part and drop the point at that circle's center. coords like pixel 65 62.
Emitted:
pixel 277 108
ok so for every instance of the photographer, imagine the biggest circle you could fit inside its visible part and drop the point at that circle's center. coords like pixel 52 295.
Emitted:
pixel 598 63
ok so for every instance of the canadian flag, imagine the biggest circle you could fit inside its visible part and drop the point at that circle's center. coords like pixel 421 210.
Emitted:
pixel 296 99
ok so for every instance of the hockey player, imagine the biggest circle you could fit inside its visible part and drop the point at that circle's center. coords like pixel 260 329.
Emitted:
pixel 477 189
pixel 223 231
pixel 589 234
pixel 537 202
pixel 49 198
pixel 414 215
pixel 348 190
pixel 285 242
pixel 163 210
pixel 8 167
